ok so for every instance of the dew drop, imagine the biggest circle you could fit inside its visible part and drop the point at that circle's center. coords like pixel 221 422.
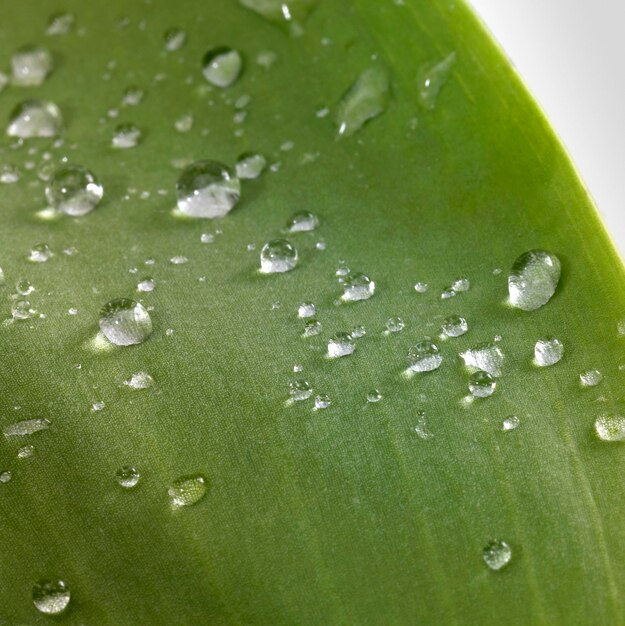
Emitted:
pixel 306 309
pixel 421 287
pixel 51 597
pixel 484 356
pixel 278 256
pixel 548 351
pixel 26 427
pixel 430 79
pixel 146 285
pixel 341 344
pixel 175 38
pixel 125 322
pixel 139 380
pixel 290 12
pixel 533 279
pixel 250 165
pixel 424 357
pixel 447 293
pixel 497 554
pixel 312 327
pixel 21 309
pixel 187 490
pixel 74 190
pixel 590 378
pixel 127 477
pixel 222 66
pixel 461 284
pixel 322 401
pixel 374 396
pixel 60 24
pixel 421 427
pixel 366 99
pixel 24 287
pixel 358 332
pixel 25 452
pixel 300 390
pixel 482 384
pixel 30 66
pixel 394 325
pixel 5 476
pixel 126 136
pixel 207 189
pixel 510 423
pixel 302 222
pixel 357 287
pixel 454 326
pixel 35 118
pixel 40 253
pixel 610 427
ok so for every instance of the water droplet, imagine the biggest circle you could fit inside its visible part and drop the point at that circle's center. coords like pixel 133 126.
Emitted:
pixel 424 357
pixel 454 326
pixel 60 24
pixel 40 253
pixel 127 477
pixel 5 476
pixel 207 189
pixel 222 66
pixel 266 58
pixel 278 256
pixel 430 79
pixel 306 309
pixel 357 287
pixel 461 284
pixel 610 427
pixel 9 174
pixel 185 123
pixel 421 287
pixel 175 38
pixel 447 293
pixel 24 287
pixel 139 380
pixel 132 96
pixel 533 279
pixel 497 554
pixel 548 351
pixel 366 99
pixel 358 332
pixel 21 309
pixel 302 222
pixel 96 407
pixel 25 452
pixel 290 12
pixel 125 322
pixel 26 427
pixel 31 65
pixel 484 356
pixel 51 597
pixel 482 384
pixel 146 285
pixel 322 401
pixel 590 378
pixel 300 390
pixel 74 190
pixel 421 428
pixel 250 165
pixel 35 118
pixel 207 238
pixel 187 490
pixel 394 325
pixel 510 423
pixel 374 396
pixel 126 136
pixel 178 260
pixel 342 344
pixel 312 328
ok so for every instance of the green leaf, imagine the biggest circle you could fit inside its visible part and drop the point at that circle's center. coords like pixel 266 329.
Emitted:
pixel 346 515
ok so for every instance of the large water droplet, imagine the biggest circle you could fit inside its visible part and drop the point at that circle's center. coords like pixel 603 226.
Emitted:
pixel 424 357
pixel 127 477
pixel 548 351
pixel 60 24
pixel 484 356
pixel 454 326
pixel 300 390
pixel 590 378
pixel 302 222
pixel 207 189
pixel 31 65
pixel 482 384
pixel 74 190
pixel 497 554
pixel 125 322
pixel 533 279
pixel 222 66
pixel 250 165
pixel 366 99
pixel 341 344
pixel 278 256
pixel 26 427
pixel 126 136
pixel 51 597
pixel 35 118
pixel 430 79
pixel 610 427
pixel 357 287
pixel 187 490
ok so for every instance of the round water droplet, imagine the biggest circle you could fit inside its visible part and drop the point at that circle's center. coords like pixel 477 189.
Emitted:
pixel 590 378
pixel 31 65
pixel 139 380
pixel 306 309
pixel 482 384
pixel 424 357
pixel 610 427
pixel 278 256
pixel 5 476
pixel 250 165
pixel 533 279
pixel 175 38
pixel 394 325
pixel 485 356
pixel 40 253
pixel 300 390
pixel 187 490
pixel 74 190
pixel 322 401
pixel 125 322
pixel 342 344
pixel 60 24
pixel 20 309
pixel 35 118
pixel 421 287
pixel 302 222
pixel 222 66
pixel 510 423
pixel 126 136
pixel 51 597
pixel 374 396
pixel 548 351
pixel 461 284
pixel 312 327
pixel 207 189
pixel 497 554
pixel 23 287
pixel 127 477
pixel 454 326
pixel 357 287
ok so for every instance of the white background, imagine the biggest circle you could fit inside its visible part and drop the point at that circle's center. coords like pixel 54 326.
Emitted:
pixel 571 55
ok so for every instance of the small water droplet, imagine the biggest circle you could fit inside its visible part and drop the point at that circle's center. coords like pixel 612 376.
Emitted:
pixel 394 325
pixel 278 256
pixel 322 401
pixel 298 368
pixel 139 380
pixel 207 189
pixel 366 99
pixel 40 253
pixel 24 287
pixel 175 38
pixel 125 322
pixel 300 390
pixel 421 427
pixel 358 332
pixel 497 554
pixel 484 356
pixel 306 309
pixel 283 12
pixel 341 344
pixel 357 287
pixel 26 427
pixel 187 490
pixel 96 407
pixel 482 384
pixel 74 190
pixel 207 238
pixel 127 477
pixel 447 293
pixel 146 284
pixel 9 174
pixel 222 66
pixel 35 118
pixel 590 378
pixel 424 357
pixel 461 284
pixel 312 327
pixel 21 309
pixel 31 65
pixel 533 279
pixel 51 597
pixel 454 326
pixel 5 476
pixel 133 96
pixel 126 136
pixel 60 24
pixel 374 396
pixel 510 423
pixel 185 123
pixel 421 287
pixel 302 222
pixel 250 165
pixel 266 58
pixel 25 452
pixel 430 79
pixel 548 351
pixel 610 427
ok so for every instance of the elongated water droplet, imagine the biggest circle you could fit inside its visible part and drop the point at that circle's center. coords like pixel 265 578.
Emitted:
pixel 497 554
pixel 421 427
pixel 510 423
pixel 430 79
pixel 610 427
pixel 485 356
pixel 278 256
pixel 312 327
pixel 548 351
pixel 250 165
pixel 187 490
pixel 302 222
pixel 26 427
pixel 51 597
pixel 482 384
pixel 139 380
pixel 366 99
pixel 126 136
pixel 590 378
pixel 222 66
pixel 306 309
pixel 424 357
pixel 125 322
pixel 533 279
pixel 207 189
pixel 35 118
pixel 357 287
pixel 341 344
pixel 74 190
pixel 31 65
pixel 287 12
pixel 175 38
pixel 60 24
pixel 300 390
pixel 454 326
pixel 127 477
